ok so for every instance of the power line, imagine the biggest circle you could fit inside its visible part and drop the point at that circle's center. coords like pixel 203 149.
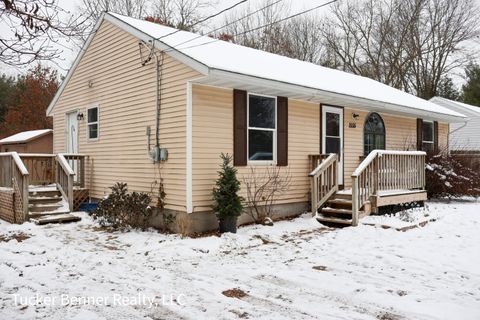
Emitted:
pixel 205 19
pixel 229 24
pixel 260 27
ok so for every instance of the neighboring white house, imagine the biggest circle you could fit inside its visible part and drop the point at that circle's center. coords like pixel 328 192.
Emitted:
pixel 463 137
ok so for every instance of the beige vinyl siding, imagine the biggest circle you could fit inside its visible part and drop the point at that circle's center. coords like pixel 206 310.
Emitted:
pixel 212 117
pixel 125 93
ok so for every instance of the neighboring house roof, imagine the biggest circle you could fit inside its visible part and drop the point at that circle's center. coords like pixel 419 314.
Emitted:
pixel 463 137
pixel 25 136
pixel 466 109
pixel 231 65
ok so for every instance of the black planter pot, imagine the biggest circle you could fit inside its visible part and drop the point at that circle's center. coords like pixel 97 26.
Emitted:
pixel 228 224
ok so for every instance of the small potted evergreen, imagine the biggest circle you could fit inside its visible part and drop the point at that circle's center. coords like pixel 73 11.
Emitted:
pixel 228 205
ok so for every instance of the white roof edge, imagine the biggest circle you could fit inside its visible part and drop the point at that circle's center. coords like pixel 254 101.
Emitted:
pixel 198 66
pixel 25 136
pixel 314 91
pixel 447 103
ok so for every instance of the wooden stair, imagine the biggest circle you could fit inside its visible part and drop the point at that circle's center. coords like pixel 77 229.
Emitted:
pixel 46 205
pixel 337 211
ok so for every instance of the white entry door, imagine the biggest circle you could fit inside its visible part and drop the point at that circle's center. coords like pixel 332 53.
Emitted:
pixel 72 139
pixel 332 135
pixel 72 133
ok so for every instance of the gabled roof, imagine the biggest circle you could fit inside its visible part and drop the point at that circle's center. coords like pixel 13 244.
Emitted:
pixel 456 106
pixel 25 136
pixel 221 59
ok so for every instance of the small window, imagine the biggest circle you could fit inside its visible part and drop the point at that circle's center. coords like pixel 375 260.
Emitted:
pixel 373 134
pixel 428 142
pixel 262 124
pixel 92 123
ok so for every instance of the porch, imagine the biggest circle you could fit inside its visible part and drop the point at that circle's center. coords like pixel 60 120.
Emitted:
pixel 41 187
pixel 383 178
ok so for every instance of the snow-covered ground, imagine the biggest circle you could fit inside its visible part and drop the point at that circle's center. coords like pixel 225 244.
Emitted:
pixel 293 270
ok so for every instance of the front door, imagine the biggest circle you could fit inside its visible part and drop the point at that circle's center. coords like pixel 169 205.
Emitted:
pixel 72 133
pixel 332 135
pixel 72 139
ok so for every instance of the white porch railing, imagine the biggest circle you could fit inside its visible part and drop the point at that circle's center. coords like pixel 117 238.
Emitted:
pixel 13 172
pixel 386 170
pixel 324 181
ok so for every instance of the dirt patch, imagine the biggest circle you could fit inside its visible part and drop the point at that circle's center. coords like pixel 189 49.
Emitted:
pixel 320 268
pixel 264 240
pixel 17 236
pixel 234 293
pixel 388 316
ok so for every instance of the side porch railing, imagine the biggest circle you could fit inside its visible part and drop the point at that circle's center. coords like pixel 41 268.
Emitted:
pixel 323 179
pixel 13 173
pixel 385 170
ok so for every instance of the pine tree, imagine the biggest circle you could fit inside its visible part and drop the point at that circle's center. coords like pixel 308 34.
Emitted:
pixel 227 202
pixel 471 90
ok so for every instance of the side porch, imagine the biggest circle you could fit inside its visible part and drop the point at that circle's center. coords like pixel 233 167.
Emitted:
pixel 43 188
pixel 383 178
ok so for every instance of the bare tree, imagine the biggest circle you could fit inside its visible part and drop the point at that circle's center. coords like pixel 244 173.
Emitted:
pixel 410 45
pixel 132 8
pixel 181 14
pixel 30 28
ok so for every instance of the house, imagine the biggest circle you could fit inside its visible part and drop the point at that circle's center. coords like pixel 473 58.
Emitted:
pixel 464 137
pixel 34 141
pixel 153 106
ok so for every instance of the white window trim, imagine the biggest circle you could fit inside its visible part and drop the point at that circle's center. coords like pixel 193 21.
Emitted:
pixel 95 122
pixel 432 142
pixel 262 162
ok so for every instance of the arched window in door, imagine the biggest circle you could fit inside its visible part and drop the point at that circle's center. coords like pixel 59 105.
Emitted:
pixel 373 133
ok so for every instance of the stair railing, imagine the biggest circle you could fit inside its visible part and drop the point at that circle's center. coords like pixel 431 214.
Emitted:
pixel 13 173
pixel 324 181
pixel 385 170
pixel 64 177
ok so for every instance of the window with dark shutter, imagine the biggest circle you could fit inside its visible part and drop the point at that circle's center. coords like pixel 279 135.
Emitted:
pixel 435 136
pixel 419 134
pixel 262 128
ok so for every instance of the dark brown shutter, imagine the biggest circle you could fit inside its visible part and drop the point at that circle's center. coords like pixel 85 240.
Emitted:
pixel 435 136
pixel 282 131
pixel 239 128
pixel 419 134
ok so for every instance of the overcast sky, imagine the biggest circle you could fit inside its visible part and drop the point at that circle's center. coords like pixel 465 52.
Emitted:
pixel 68 55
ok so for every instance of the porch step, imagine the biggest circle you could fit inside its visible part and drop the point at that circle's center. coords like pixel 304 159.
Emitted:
pixel 343 196
pixel 46 205
pixel 336 211
pixel 340 203
pixel 56 218
pixel 331 220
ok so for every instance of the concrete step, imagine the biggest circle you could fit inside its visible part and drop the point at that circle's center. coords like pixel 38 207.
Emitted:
pixel 56 218
pixel 331 220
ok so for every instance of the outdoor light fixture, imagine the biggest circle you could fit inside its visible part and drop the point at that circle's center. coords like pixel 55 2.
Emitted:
pixel 80 116
pixel 355 116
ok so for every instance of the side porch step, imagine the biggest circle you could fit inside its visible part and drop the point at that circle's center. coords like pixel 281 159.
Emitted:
pixel 332 220
pixel 56 218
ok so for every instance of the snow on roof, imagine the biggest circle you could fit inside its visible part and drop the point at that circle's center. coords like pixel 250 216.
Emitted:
pixel 234 58
pixel 25 136
pixel 457 105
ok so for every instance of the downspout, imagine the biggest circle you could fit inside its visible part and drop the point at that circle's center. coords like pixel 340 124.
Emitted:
pixel 158 102
pixel 461 127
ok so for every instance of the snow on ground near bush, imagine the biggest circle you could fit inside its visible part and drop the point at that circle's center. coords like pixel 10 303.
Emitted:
pixel 293 270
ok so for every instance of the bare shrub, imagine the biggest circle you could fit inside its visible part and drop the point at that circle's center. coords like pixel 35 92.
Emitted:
pixel 263 188
pixel 448 176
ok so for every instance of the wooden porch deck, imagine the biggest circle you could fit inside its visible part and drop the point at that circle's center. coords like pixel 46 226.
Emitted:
pixel 49 185
pixel 383 178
